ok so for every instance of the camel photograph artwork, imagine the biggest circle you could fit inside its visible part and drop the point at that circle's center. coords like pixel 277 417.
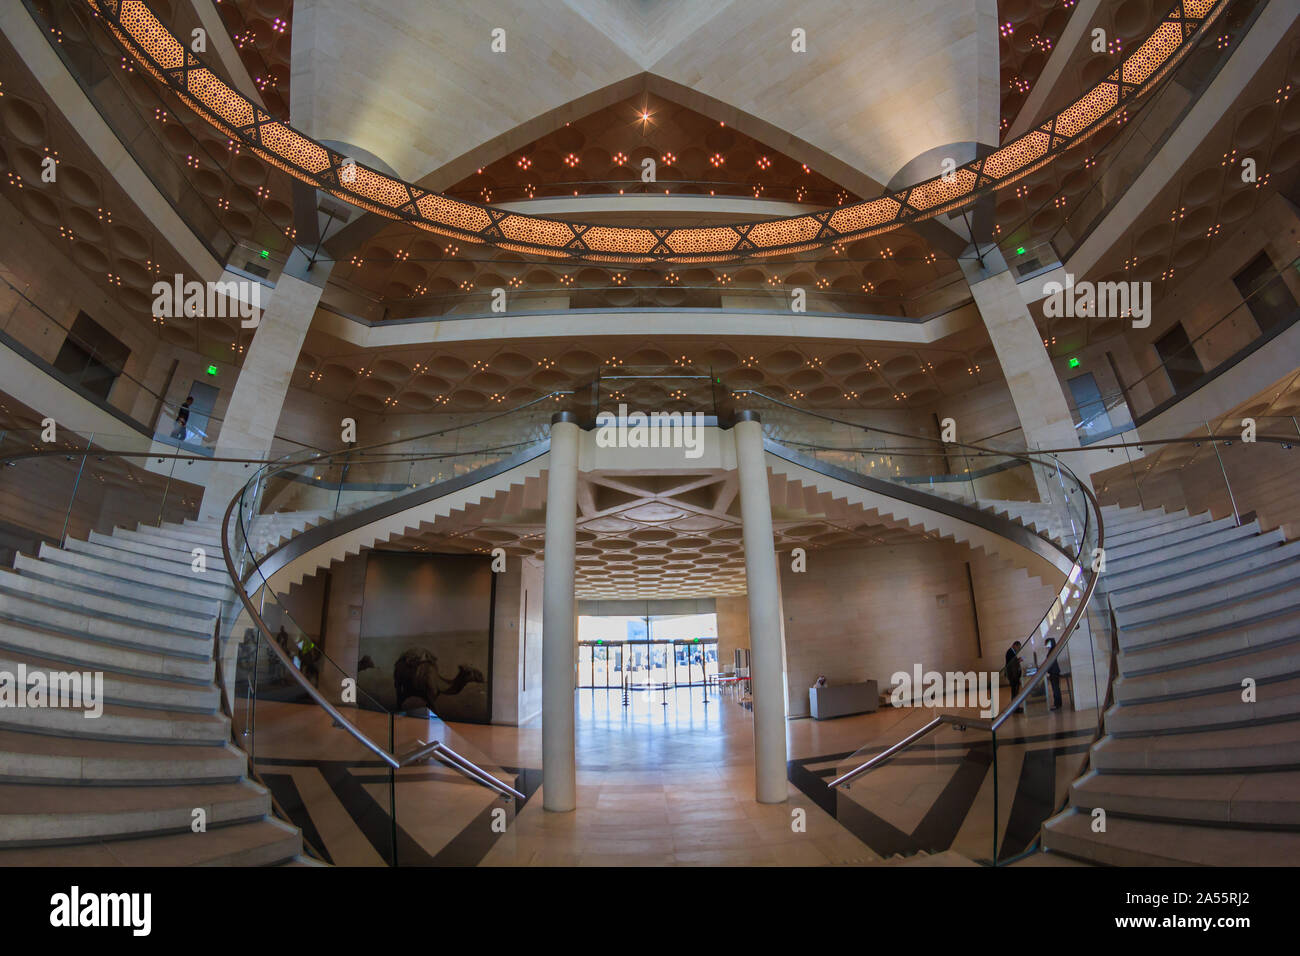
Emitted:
pixel 434 653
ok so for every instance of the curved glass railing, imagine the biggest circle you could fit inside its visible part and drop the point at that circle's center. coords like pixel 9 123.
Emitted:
pixel 305 692
pixel 301 694
pixel 27 326
pixel 953 727
pixel 300 698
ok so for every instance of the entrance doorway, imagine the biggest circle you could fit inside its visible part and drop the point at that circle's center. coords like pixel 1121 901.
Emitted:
pixel 647 651
pixel 647 664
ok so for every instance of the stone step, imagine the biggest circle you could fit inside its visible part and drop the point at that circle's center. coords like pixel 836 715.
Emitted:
pixel 57 594
pixel 1199 675
pixel 212 585
pixel 262 843
pixel 181 539
pixel 159 545
pixel 82 652
pixel 1273 701
pixel 1166 539
pixel 89 626
pixel 120 722
pixel 129 689
pixel 33 815
pixel 41 758
pixel 1138 662
pixel 1253 747
pixel 1241 799
pixel 1117 569
pixel 141 555
pixel 1248 578
pixel 1144 532
pixel 1130 519
pixel 1248 606
pixel 1140 585
pixel 95 586
pixel 1146 843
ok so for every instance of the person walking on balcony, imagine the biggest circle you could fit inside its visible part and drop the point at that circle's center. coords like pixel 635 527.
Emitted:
pixel 1054 676
pixel 182 419
pixel 1014 671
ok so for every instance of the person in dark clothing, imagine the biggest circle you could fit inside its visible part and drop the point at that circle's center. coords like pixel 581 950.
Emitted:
pixel 182 418
pixel 1054 677
pixel 1014 672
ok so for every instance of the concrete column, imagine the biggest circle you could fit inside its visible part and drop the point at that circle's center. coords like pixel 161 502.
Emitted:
pixel 253 412
pixel 767 671
pixel 1035 390
pixel 559 766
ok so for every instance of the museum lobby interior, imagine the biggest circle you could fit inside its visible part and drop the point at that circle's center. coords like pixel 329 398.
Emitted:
pixel 649 433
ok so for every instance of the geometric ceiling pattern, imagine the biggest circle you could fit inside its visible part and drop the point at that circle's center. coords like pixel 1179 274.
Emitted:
pixel 482 375
pixel 1027 33
pixel 1206 207
pixel 644 535
pixel 171 62
pixel 261 31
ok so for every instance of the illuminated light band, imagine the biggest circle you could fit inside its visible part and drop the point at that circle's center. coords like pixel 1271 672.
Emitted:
pixel 172 63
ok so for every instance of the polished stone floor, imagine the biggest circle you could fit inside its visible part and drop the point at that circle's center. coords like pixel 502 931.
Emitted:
pixel 668 780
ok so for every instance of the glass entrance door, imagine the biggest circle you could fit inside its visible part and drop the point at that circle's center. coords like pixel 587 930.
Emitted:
pixel 696 661
pixel 600 664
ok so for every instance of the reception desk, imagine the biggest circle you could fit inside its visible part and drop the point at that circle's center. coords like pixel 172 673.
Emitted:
pixel 840 700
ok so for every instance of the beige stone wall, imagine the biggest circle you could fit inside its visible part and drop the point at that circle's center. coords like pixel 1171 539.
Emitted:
pixel 733 628
pixel 517 643
pixel 862 614
pixel 1206 294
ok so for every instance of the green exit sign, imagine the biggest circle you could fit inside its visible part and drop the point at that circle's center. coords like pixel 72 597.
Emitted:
pixel 1074 363
pixel 1020 250
pixel 212 370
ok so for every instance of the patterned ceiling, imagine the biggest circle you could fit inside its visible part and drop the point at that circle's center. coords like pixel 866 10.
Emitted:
pixel 244 202
pixel 812 374
pixel 658 535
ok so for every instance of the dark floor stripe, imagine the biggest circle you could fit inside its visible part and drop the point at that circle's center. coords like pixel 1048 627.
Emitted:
pixel 467 848
pixel 373 818
pixel 1033 796
pixel 285 790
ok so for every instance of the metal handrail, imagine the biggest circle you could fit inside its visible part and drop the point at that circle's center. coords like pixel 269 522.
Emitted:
pixel 434 749
pixel 992 724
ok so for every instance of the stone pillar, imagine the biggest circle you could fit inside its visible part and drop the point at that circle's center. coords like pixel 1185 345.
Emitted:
pixel 253 411
pixel 766 658
pixel 559 765
pixel 1035 390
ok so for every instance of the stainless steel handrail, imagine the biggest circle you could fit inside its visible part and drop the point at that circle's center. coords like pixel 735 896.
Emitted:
pixel 992 724
pixel 1086 595
pixel 434 749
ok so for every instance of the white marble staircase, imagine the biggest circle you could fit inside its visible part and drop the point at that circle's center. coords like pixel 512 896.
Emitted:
pixel 121 789
pixel 1188 772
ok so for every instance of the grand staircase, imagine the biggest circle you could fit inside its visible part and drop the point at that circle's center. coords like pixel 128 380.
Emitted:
pixel 123 788
pixel 1190 773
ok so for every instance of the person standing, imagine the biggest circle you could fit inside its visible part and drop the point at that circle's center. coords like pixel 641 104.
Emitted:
pixel 1014 672
pixel 182 419
pixel 1054 676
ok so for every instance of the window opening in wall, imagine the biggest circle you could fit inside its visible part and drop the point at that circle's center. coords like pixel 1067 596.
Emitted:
pixel 91 356
pixel 1179 359
pixel 1266 293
